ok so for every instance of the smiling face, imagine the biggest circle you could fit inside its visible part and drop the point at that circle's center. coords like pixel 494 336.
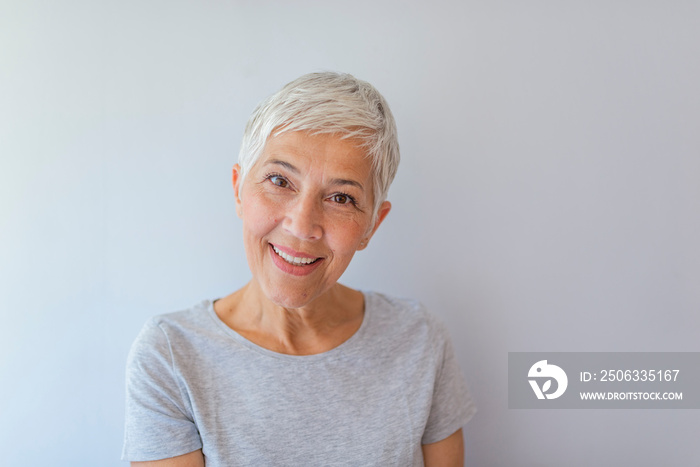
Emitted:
pixel 306 207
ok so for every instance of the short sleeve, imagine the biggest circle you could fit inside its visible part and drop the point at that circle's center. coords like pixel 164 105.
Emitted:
pixel 452 405
pixel 159 421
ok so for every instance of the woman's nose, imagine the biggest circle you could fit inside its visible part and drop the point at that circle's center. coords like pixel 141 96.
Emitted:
pixel 303 218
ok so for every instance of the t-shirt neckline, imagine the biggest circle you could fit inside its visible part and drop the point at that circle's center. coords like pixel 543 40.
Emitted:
pixel 342 349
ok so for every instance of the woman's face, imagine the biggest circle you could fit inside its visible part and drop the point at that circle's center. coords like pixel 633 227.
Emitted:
pixel 306 207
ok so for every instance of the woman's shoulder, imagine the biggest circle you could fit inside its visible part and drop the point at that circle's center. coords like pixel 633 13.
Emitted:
pixel 397 304
pixel 160 329
pixel 406 315
pixel 184 317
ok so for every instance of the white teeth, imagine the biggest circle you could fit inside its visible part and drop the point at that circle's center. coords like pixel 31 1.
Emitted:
pixel 293 259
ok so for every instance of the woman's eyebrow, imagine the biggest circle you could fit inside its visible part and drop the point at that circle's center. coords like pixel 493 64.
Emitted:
pixel 333 181
pixel 345 181
pixel 284 164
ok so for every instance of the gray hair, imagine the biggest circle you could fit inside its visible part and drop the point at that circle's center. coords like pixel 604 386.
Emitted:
pixel 328 103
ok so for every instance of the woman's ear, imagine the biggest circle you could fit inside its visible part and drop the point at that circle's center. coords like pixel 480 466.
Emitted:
pixel 382 212
pixel 236 178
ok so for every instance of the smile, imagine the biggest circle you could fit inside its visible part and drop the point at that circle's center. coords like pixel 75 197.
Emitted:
pixel 293 259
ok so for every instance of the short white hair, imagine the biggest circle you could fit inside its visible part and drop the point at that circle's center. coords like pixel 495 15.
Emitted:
pixel 328 102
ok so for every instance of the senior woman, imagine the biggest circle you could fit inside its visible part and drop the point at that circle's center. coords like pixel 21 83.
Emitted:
pixel 295 369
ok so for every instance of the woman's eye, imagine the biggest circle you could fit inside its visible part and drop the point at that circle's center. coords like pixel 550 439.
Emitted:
pixel 279 181
pixel 341 198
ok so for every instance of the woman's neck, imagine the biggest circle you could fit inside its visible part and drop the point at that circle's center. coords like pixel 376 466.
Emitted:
pixel 321 325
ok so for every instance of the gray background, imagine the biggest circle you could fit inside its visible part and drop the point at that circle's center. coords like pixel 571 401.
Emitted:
pixel 547 200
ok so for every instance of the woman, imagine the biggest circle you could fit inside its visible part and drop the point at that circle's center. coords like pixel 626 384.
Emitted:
pixel 294 368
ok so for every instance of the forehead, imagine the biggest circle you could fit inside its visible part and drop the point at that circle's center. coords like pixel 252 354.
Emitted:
pixel 326 152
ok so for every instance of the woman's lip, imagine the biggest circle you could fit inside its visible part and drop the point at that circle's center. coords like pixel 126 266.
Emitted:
pixel 294 253
pixel 293 269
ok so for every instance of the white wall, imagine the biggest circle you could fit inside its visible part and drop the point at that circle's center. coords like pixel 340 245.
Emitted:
pixel 548 198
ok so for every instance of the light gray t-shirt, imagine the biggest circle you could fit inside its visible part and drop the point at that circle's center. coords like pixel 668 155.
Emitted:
pixel 193 382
